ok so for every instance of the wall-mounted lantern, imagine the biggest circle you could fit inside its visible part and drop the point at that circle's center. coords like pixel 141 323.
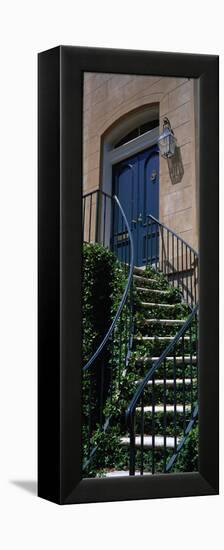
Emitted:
pixel 167 140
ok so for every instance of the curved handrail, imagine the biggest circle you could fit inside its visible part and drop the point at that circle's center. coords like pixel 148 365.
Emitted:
pixel 123 300
pixel 157 363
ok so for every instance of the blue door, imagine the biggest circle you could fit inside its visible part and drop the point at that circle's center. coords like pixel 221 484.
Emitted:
pixel 136 184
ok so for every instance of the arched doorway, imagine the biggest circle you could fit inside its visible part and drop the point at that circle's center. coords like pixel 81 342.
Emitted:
pixel 131 171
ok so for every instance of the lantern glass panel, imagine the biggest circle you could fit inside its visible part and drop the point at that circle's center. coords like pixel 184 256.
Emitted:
pixel 164 146
pixel 167 144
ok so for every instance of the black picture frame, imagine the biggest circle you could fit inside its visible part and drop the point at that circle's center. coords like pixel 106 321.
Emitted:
pixel 60 89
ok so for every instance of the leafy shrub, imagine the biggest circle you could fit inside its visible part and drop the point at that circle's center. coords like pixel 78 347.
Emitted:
pixel 187 460
pixel 97 295
pixel 102 287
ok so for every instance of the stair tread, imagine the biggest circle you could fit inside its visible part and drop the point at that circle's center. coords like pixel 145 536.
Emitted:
pixel 146 338
pixel 166 321
pixel 121 473
pixel 155 304
pixel 161 408
pixel 146 279
pixel 155 290
pixel 169 381
pixel 179 358
pixel 159 441
pixel 138 269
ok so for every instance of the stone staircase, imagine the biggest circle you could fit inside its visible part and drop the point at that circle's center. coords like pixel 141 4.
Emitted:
pixel 159 315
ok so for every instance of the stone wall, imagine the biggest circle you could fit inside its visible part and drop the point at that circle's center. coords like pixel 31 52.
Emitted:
pixel 108 98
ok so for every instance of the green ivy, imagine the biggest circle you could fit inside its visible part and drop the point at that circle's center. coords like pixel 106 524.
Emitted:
pixel 99 266
pixel 103 284
pixel 104 279
pixel 187 460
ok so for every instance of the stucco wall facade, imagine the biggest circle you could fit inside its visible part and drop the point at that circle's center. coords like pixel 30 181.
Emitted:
pixel 111 98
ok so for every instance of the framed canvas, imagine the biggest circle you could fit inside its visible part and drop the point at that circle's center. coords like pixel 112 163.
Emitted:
pixel 128 275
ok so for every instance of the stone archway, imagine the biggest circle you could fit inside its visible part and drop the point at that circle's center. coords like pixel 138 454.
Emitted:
pixel 119 128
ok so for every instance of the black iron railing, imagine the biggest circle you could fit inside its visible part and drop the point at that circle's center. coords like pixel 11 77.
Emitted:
pixel 174 257
pixel 97 217
pixel 177 367
pixel 102 372
pixel 105 223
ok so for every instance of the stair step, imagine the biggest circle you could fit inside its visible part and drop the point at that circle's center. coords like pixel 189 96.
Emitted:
pixel 121 473
pixel 145 279
pixel 164 321
pixel 179 359
pixel 159 441
pixel 154 304
pixel 169 381
pixel 155 338
pixel 154 290
pixel 139 270
pixel 162 408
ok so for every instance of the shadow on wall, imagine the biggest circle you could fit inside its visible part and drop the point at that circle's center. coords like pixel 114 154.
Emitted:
pixel 176 168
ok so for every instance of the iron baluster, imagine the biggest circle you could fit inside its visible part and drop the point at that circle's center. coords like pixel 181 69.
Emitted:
pixel 101 391
pixel 187 274
pixel 83 219
pixel 120 349
pixel 191 368
pixel 165 417
pixel 117 230
pixel 196 343
pixel 162 245
pixel 175 398
pixel 182 263
pixel 165 255
pixel 173 259
pixel 147 240
pixel 195 268
pixel 104 218
pixel 191 279
pixel 151 237
pixel 123 245
pixel 168 252
pixel 132 446
pixel 90 413
pixel 153 425
pixel 142 436
pixel 111 366
pixel 90 216
pixel 183 376
pixel 178 273
pixel 97 216
pixel 112 227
